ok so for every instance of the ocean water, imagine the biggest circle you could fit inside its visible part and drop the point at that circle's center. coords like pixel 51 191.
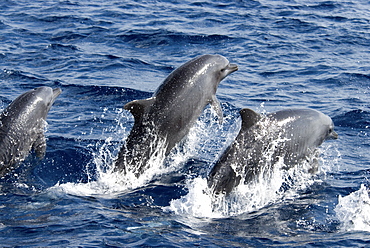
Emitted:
pixel 103 54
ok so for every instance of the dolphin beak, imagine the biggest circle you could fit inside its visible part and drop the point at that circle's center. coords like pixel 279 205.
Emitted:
pixel 231 68
pixel 333 135
pixel 56 92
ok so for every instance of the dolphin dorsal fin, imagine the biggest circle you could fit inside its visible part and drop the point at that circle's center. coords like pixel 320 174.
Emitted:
pixel 249 118
pixel 138 107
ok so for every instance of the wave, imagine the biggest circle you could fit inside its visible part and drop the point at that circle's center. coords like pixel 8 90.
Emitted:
pixel 22 76
pixel 62 47
pixel 354 119
pixel 98 93
pixel 158 37
pixel 296 25
pixel 353 210
pixel 67 36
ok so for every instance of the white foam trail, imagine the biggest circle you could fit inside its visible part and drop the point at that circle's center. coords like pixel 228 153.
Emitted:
pixel 107 182
pixel 353 210
pixel 268 189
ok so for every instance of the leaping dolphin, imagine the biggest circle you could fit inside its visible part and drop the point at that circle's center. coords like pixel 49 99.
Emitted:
pixel 22 126
pixel 291 134
pixel 164 119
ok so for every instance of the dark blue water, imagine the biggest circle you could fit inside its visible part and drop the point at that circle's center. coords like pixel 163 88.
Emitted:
pixel 103 54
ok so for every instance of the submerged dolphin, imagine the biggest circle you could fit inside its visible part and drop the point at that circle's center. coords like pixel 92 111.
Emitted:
pixel 164 119
pixel 22 126
pixel 291 134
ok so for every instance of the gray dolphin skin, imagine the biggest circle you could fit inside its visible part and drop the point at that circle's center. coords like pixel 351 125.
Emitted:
pixel 164 119
pixel 22 126
pixel 291 134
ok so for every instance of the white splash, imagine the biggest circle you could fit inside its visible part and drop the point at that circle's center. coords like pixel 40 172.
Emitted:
pixel 353 210
pixel 105 182
pixel 268 189
pixel 109 182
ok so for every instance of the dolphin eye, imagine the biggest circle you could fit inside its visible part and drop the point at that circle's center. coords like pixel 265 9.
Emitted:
pixel 331 131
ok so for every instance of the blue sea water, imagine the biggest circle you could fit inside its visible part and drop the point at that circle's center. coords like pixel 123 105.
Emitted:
pixel 103 54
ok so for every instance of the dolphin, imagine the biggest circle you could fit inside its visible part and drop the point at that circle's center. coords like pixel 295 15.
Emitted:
pixel 22 126
pixel 164 119
pixel 291 134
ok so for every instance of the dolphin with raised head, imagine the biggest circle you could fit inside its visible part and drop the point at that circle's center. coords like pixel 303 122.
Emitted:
pixel 22 126
pixel 164 119
pixel 292 135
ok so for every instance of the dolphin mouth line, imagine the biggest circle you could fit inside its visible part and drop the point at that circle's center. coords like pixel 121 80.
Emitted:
pixel 56 92
pixel 334 135
pixel 232 67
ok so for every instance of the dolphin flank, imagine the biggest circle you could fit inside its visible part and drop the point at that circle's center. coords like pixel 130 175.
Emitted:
pixel 164 119
pixel 292 134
